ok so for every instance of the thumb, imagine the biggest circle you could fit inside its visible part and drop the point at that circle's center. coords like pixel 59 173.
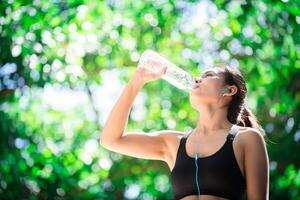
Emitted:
pixel 164 69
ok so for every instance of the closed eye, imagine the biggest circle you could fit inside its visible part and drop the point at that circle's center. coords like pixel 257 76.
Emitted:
pixel 207 75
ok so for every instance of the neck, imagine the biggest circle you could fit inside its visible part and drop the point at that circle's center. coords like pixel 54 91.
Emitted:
pixel 211 120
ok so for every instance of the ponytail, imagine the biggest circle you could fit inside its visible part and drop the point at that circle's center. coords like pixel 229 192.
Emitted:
pixel 246 118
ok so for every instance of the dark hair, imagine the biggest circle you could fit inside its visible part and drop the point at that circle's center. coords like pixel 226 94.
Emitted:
pixel 238 113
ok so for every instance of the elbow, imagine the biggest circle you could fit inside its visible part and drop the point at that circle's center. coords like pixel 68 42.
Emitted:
pixel 105 141
pixel 102 140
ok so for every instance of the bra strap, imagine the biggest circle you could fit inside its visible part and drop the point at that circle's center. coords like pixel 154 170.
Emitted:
pixel 234 130
pixel 187 133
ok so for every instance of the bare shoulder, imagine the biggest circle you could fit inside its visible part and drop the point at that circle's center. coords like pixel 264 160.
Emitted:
pixel 171 135
pixel 249 137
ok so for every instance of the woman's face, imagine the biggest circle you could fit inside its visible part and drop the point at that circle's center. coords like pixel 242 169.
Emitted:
pixel 210 88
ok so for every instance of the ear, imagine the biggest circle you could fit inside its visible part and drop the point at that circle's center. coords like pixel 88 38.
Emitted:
pixel 233 89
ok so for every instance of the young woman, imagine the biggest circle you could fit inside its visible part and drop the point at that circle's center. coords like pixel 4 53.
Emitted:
pixel 233 160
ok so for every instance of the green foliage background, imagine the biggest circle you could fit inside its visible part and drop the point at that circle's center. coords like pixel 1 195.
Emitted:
pixel 64 52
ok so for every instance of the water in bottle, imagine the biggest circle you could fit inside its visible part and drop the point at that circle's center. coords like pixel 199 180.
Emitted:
pixel 174 74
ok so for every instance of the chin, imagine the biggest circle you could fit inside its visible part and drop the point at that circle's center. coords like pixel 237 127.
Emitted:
pixel 194 103
pixel 195 97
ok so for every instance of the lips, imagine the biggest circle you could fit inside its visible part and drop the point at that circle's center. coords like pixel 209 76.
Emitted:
pixel 196 82
pixel 195 87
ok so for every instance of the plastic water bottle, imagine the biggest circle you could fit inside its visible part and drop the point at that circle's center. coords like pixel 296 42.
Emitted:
pixel 174 75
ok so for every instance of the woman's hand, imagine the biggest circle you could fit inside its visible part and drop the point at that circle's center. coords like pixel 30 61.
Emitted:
pixel 143 75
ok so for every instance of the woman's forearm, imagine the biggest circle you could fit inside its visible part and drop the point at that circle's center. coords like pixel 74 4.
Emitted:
pixel 118 117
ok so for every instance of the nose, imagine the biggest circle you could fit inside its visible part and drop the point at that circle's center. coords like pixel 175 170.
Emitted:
pixel 197 80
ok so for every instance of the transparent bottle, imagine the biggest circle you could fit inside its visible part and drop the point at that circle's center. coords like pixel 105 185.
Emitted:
pixel 174 75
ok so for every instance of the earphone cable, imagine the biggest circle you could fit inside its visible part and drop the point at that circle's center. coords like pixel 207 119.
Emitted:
pixel 196 176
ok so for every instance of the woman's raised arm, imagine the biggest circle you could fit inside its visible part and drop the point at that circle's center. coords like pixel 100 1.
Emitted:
pixel 136 144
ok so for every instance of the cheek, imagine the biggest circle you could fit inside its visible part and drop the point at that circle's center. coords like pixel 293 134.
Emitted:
pixel 211 86
pixel 205 91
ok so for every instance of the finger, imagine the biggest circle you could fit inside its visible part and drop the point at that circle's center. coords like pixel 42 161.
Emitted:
pixel 164 69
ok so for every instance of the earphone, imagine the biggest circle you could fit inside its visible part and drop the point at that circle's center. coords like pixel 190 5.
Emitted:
pixel 226 91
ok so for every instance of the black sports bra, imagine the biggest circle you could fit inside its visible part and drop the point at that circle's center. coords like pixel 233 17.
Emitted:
pixel 218 174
